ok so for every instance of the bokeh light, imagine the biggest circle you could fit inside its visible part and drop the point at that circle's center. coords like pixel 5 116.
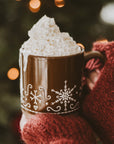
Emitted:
pixel 13 73
pixel 81 45
pixel 107 13
pixel 34 5
pixel 103 40
pixel 59 3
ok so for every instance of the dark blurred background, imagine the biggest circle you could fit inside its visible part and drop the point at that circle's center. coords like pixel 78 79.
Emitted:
pixel 81 18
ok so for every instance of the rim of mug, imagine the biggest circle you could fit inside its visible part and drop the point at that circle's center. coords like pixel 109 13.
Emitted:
pixel 56 57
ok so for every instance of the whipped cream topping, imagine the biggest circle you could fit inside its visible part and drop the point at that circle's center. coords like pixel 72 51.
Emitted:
pixel 45 39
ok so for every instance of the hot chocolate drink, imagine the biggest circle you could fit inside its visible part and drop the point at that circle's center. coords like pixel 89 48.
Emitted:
pixel 51 65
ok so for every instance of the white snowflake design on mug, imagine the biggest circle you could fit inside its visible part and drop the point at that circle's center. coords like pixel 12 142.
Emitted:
pixel 64 98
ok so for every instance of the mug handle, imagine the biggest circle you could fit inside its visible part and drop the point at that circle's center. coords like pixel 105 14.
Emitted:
pixel 94 54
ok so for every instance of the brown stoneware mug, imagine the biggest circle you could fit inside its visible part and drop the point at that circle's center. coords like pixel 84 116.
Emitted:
pixel 53 84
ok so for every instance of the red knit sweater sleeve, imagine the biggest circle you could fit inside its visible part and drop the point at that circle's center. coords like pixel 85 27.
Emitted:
pixel 98 106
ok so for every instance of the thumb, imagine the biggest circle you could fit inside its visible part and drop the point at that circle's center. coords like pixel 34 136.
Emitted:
pixel 92 78
pixel 23 121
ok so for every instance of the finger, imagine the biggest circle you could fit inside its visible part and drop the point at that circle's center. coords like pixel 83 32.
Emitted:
pixel 23 121
pixel 93 76
pixel 90 84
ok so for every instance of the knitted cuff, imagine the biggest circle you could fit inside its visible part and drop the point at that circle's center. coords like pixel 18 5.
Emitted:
pixel 107 49
pixel 46 128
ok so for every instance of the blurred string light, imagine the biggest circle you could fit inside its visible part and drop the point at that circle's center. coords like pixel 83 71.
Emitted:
pixel 103 40
pixel 34 5
pixel 81 45
pixel 13 73
pixel 60 3
pixel 107 13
